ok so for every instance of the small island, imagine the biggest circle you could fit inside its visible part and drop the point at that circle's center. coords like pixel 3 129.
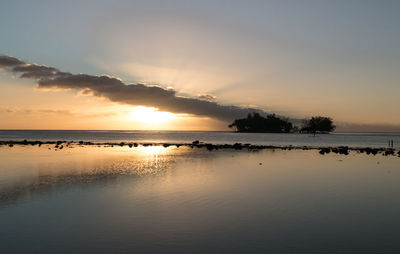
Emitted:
pixel 273 124
pixel 257 123
pixel 318 124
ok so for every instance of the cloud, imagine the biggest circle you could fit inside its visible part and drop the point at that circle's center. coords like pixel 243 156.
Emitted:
pixel 115 90
pixel 207 97
pixel 6 61
pixel 35 71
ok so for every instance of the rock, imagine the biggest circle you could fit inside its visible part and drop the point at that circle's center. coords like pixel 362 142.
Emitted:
pixel 325 150
pixel 388 152
pixel 341 150
pixel 209 147
pixel 237 146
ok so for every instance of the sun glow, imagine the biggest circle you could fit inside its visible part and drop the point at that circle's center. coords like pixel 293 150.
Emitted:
pixel 150 115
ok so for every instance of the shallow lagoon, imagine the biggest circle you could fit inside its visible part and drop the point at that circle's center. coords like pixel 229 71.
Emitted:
pixel 182 200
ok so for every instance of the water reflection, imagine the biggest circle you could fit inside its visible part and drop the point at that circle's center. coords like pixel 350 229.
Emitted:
pixel 44 170
pixel 183 200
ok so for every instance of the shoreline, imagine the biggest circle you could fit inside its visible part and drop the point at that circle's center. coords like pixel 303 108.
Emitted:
pixel 60 144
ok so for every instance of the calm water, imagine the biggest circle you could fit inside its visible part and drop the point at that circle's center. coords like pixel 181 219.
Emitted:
pixel 182 200
pixel 336 139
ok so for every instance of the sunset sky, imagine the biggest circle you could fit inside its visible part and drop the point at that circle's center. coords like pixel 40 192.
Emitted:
pixel 196 65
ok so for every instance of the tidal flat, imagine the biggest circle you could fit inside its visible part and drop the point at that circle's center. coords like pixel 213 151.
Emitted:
pixel 169 199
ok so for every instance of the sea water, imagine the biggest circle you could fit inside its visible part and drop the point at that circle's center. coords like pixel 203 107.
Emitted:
pixel 334 139
pixel 89 199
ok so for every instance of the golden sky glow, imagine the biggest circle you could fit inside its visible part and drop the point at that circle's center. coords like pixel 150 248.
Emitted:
pixel 294 59
pixel 150 115
pixel 23 107
pixel 27 108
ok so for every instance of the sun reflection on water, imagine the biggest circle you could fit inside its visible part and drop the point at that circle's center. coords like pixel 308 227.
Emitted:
pixel 80 165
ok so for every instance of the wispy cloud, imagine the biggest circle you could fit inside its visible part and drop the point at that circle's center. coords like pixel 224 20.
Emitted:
pixel 116 90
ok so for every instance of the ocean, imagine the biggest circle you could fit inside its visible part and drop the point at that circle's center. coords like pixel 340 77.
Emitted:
pixel 380 140
pixel 156 199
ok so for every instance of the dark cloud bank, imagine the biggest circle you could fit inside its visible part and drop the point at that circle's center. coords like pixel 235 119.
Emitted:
pixel 115 90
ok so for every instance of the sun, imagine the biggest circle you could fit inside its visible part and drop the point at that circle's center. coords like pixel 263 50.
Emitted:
pixel 150 115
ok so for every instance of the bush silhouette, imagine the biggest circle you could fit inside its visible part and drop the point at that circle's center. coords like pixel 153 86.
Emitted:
pixel 318 124
pixel 257 123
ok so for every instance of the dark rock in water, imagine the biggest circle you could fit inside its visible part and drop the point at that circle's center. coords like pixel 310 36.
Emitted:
pixel 199 145
pixel 237 146
pixel 122 144
pixel 389 152
pixel 25 141
pixel 253 148
pixel 61 147
pixel 196 142
pixel 341 150
pixel 81 142
pixel 130 145
pixel 325 150
pixel 165 145
pixel 374 151
pixel 210 147
pixel 10 145
pixel 344 150
pixel 135 144
pixel 365 150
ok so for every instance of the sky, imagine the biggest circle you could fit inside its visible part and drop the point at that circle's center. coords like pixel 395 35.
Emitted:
pixel 197 65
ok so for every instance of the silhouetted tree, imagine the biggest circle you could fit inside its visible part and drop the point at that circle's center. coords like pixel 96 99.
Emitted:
pixel 318 124
pixel 257 123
